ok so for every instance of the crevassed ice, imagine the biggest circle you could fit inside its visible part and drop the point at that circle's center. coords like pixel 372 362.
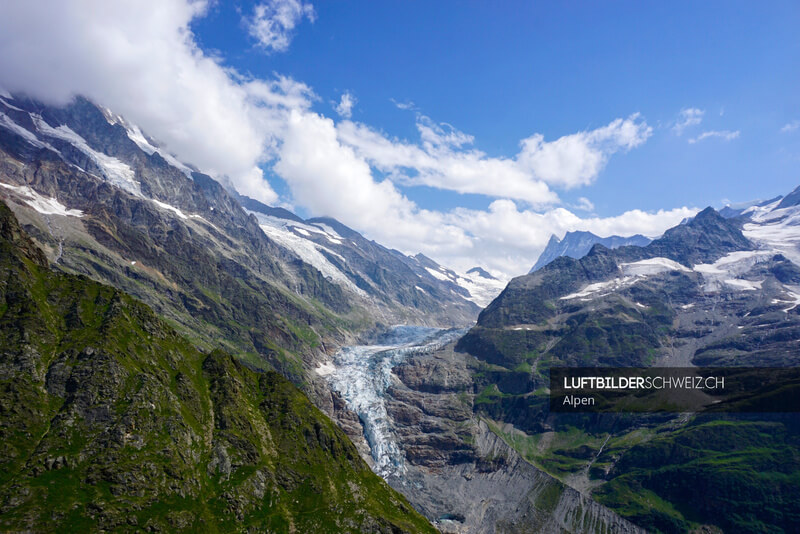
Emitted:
pixel 723 272
pixel 362 374
pixel 481 290
pixel 727 270
pixel 777 231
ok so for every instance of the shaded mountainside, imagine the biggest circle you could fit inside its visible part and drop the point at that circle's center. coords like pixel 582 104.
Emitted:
pixel 373 271
pixel 109 420
pixel 577 244
pixel 104 200
pixel 711 291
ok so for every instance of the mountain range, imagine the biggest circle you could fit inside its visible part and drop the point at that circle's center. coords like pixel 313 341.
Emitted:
pixel 710 292
pixel 103 200
pixel 176 356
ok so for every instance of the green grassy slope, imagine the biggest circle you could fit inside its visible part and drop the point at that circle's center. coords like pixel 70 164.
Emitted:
pixel 109 420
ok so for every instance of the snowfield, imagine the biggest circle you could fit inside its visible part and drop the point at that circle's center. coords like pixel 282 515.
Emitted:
pixel 115 171
pixel 283 232
pixel 42 204
pixel 724 273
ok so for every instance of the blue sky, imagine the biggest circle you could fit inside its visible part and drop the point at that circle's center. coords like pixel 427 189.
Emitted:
pixel 475 130
pixel 504 73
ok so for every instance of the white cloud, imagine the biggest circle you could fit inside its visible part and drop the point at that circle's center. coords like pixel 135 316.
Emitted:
pixel 438 163
pixel 139 58
pixel 584 204
pixel 445 160
pixel 507 239
pixel 273 21
pixel 408 105
pixel 688 117
pixel 725 135
pixel 329 177
pixel 577 159
pixel 790 127
pixel 345 106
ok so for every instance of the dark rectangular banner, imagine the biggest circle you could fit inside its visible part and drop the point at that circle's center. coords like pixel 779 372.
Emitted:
pixel 674 389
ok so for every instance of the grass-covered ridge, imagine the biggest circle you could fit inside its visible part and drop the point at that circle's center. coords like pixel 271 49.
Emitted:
pixel 740 474
pixel 109 420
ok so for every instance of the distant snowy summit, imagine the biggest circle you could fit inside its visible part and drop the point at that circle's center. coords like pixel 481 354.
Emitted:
pixel 578 244
pixel 477 271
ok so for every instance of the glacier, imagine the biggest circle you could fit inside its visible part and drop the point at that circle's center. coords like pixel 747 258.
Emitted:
pixel 361 374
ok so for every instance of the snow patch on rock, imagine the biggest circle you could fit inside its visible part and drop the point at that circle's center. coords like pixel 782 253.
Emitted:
pixel 652 266
pixel 42 204
pixel 727 271
pixel 310 252
pixel 9 124
pixel 115 171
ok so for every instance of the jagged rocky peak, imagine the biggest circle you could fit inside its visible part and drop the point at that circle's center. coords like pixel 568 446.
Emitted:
pixel 252 204
pixel 578 244
pixel 122 173
pixel 369 269
pixel 703 239
pixel 710 292
pixel 425 261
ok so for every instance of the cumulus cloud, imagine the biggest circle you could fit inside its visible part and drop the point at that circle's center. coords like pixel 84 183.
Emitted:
pixel 577 159
pixel 446 160
pixel 688 117
pixel 507 239
pixel 140 59
pixel 725 135
pixel 330 177
pixel 790 127
pixel 272 22
pixel 345 106
pixel 584 204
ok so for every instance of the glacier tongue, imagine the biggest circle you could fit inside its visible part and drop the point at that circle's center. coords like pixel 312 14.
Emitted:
pixel 363 373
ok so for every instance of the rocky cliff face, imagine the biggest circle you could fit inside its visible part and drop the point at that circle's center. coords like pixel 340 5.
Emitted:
pixel 110 421
pixel 417 405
